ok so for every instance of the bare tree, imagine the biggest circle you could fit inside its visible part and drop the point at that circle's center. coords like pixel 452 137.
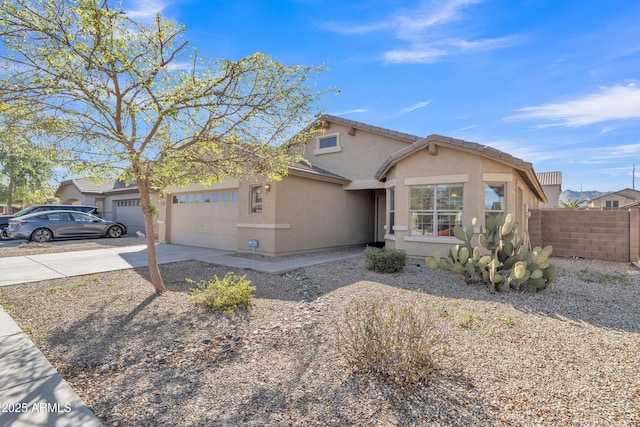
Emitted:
pixel 134 101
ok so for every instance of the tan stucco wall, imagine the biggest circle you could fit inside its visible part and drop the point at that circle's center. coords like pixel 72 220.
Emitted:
pixel 452 166
pixel 301 215
pixel 359 157
pixel 553 196
pixel 622 199
pixel 70 195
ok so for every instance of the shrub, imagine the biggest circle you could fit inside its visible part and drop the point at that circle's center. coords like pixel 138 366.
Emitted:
pixel 229 294
pixel 385 260
pixel 396 344
pixel 509 265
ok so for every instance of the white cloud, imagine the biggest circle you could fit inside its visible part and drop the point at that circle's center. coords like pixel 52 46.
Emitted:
pixel 409 109
pixel 419 29
pixel 610 104
pixel 414 107
pixel 423 53
pixel 527 152
pixel 145 10
pixel 415 55
pixel 355 110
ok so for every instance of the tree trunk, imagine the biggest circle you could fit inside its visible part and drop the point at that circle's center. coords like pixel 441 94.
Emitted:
pixel 145 202
pixel 10 195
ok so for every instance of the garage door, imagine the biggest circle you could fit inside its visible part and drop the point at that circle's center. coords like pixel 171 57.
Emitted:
pixel 205 219
pixel 129 213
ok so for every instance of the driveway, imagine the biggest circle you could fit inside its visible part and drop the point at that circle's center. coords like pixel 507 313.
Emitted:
pixel 35 268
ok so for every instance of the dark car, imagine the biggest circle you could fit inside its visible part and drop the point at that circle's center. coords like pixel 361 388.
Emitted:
pixel 46 226
pixel 4 219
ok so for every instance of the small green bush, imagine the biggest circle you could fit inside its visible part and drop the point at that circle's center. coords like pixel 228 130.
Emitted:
pixel 397 344
pixel 229 294
pixel 385 260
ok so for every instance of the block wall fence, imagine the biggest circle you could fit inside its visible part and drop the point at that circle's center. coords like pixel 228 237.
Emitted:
pixel 592 234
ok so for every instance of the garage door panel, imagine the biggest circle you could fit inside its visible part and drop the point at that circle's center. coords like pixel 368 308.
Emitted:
pixel 210 225
pixel 129 213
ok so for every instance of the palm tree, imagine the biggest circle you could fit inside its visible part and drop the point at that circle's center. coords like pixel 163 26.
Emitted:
pixel 574 203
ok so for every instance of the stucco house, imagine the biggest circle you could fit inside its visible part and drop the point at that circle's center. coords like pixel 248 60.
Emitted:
pixel 552 186
pixel 362 184
pixel 616 199
pixel 115 200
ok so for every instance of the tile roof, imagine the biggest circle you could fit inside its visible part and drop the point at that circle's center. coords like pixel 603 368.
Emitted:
pixel 524 169
pixel 370 128
pixel 549 178
pixel 629 193
pixel 309 169
pixel 88 186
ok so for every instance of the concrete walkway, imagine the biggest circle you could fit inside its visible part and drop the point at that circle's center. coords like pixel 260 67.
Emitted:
pixel 32 393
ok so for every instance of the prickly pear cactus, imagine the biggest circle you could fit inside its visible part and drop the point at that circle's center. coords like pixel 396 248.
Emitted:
pixel 508 266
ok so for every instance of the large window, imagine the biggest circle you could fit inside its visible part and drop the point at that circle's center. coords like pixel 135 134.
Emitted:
pixel 494 201
pixel 436 209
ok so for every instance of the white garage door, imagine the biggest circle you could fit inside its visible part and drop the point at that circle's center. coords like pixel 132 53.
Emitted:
pixel 205 219
pixel 129 213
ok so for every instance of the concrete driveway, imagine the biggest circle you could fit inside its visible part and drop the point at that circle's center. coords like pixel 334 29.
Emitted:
pixel 34 268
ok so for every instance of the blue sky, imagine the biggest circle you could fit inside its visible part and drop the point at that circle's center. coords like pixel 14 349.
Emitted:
pixel 553 82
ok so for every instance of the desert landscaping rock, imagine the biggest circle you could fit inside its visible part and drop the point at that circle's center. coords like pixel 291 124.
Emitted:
pixel 567 356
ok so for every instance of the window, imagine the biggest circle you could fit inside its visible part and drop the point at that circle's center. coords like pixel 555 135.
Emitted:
pixel 494 201
pixel 190 198
pixel 392 210
pixel 82 218
pixel 183 198
pixel 234 196
pixel 256 199
pixel 135 202
pixel 611 204
pixel 328 142
pixel 216 197
pixel 207 197
pixel 56 216
pixel 226 196
pixel 198 198
pixel 436 209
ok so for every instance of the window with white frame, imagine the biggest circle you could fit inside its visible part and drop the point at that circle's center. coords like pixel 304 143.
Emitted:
pixel 494 199
pixel 327 144
pixel 392 211
pixel 256 199
pixel 436 209
pixel 328 141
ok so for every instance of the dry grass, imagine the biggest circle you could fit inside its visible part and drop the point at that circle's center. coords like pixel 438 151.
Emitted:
pixel 567 356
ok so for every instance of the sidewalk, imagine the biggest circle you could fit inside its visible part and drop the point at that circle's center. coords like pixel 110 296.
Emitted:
pixel 32 393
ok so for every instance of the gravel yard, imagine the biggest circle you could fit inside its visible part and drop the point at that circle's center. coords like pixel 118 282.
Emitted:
pixel 567 356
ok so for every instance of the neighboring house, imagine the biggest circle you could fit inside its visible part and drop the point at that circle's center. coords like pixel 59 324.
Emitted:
pixel 4 209
pixel 552 185
pixel 616 199
pixel 115 200
pixel 363 184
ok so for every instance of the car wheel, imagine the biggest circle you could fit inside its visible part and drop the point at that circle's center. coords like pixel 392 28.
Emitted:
pixel 114 231
pixel 42 235
pixel 4 234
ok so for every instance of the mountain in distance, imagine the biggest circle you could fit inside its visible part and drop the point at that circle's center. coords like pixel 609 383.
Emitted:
pixel 567 195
